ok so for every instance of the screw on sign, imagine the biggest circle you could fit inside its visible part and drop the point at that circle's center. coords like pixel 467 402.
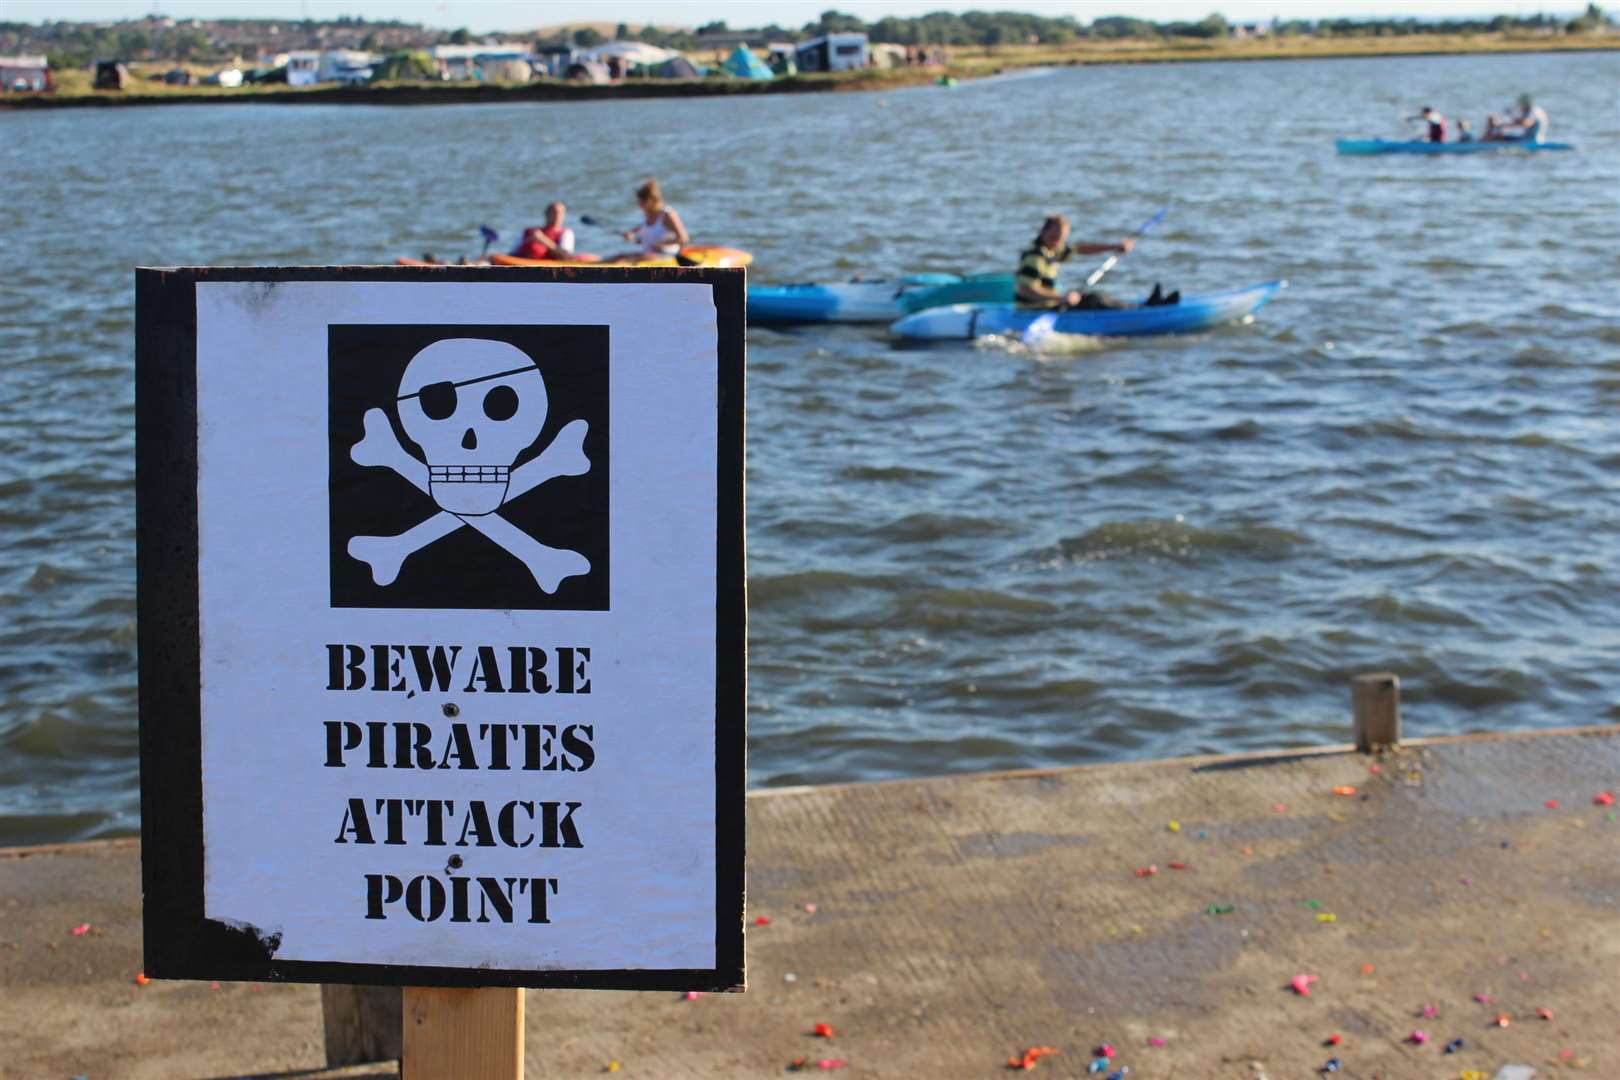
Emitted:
pixel 473 406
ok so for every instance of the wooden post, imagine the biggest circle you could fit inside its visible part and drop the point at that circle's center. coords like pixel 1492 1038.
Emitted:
pixel 464 1034
pixel 1375 700
pixel 362 1024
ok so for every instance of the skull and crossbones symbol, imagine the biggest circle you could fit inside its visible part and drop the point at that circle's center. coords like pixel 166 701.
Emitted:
pixel 473 405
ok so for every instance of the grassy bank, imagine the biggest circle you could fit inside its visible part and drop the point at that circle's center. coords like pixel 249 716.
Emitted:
pixel 73 87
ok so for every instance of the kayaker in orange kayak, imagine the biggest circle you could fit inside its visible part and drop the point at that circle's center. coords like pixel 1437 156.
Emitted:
pixel 661 233
pixel 554 240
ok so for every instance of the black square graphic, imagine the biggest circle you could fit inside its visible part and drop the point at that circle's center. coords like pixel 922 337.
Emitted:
pixel 472 382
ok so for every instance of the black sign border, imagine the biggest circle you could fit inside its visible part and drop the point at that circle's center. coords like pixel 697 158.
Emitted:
pixel 179 941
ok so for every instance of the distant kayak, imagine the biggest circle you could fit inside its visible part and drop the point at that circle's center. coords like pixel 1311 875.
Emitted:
pixel 1415 146
pixel 871 301
pixel 699 255
pixel 1199 312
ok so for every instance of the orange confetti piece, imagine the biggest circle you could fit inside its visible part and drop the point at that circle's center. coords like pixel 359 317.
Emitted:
pixel 822 1031
pixel 141 979
pixel 763 920
pixel 1367 969
pixel 1333 1040
pixel 1030 1057
pixel 1344 789
pixel 1502 1020
pixel 1544 1012
pixel 1147 871
pixel 1178 866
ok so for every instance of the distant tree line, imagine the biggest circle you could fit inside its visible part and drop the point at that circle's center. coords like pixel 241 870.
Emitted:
pixel 71 44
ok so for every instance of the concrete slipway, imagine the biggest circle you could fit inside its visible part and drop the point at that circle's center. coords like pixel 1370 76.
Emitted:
pixel 942 926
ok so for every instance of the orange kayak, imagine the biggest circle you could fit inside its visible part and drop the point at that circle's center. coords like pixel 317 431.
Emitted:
pixel 698 255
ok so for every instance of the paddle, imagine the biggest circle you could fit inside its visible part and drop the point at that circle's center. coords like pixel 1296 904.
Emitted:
pixel 490 236
pixel 1044 324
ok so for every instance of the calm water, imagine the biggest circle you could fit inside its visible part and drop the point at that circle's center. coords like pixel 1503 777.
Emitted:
pixel 962 558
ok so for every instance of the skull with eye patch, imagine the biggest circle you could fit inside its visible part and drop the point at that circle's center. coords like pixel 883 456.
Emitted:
pixel 473 406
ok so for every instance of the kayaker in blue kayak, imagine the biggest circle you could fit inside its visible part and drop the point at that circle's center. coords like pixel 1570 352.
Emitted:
pixel 1530 125
pixel 1038 270
pixel 1436 123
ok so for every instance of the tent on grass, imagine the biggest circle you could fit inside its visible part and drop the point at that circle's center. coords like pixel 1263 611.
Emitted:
pixel 676 67
pixel 743 64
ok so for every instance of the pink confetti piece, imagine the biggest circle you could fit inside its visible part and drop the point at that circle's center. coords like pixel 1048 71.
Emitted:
pixel 831 1063
pixel 1551 804
pixel 1302 984
pixel 1280 807
pixel 1430 1012
pixel 1603 798
pixel 81 930
pixel 1418 1038
pixel 1483 999
pixel 693 995
pixel 763 920
pixel 1154 1040
pixel 809 909
pixel 1105 1050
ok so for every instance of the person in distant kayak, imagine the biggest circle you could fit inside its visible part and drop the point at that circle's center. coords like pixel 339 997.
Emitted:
pixel 1038 270
pixel 1464 132
pixel 1530 125
pixel 1493 128
pixel 554 240
pixel 661 232
pixel 1436 122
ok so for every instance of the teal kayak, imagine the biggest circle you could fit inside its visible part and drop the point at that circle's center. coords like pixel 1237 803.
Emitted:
pixel 871 301
pixel 1199 312
pixel 1415 146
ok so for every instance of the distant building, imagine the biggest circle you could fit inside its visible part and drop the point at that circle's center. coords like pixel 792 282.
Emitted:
pixel 834 52
pixel 303 67
pixel 25 74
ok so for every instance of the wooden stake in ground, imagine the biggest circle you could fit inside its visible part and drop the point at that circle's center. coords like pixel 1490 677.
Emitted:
pixel 462 1034
pixel 1375 699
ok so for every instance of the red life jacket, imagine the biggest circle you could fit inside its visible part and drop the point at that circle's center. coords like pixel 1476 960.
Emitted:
pixel 534 249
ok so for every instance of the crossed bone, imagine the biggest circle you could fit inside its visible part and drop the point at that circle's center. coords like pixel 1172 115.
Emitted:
pixel 386 554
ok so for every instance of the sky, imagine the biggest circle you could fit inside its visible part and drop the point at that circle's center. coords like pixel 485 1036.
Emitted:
pixel 484 16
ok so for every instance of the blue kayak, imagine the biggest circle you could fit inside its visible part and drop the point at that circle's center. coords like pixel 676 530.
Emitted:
pixel 871 301
pixel 967 321
pixel 1415 146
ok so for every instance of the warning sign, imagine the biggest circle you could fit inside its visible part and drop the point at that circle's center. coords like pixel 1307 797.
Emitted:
pixel 442 625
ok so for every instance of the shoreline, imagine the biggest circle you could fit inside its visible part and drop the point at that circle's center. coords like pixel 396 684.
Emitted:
pixel 970 63
pixel 940 925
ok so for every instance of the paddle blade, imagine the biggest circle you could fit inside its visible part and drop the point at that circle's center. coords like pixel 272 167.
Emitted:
pixel 1038 330
pixel 489 234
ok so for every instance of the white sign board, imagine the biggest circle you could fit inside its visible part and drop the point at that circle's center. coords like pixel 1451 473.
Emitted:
pixel 466 597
